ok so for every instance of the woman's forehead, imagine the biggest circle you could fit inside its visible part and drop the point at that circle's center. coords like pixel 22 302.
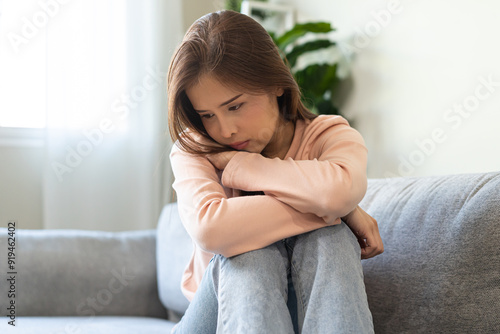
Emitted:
pixel 208 92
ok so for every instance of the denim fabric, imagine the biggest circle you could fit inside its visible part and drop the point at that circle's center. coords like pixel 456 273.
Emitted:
pixel 201 314
pixel 249 293
pixel 328 279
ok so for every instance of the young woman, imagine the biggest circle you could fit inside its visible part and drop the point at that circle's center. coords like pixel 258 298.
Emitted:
pixel 262 184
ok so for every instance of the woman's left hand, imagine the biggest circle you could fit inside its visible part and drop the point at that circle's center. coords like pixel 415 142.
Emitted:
pixel 220 160
pixel 365 228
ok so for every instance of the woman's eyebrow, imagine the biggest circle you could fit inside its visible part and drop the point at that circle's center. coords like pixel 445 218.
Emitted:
pixel 230 100
pixel 222 104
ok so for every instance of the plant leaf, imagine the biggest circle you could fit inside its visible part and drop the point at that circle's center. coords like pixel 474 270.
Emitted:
pixel 299 50
pixel 299 30
pixel 324 106
pixel 316 79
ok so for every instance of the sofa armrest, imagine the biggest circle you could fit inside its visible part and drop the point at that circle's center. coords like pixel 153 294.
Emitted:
pixel 82 273
pixel 440 271
pixel 173 254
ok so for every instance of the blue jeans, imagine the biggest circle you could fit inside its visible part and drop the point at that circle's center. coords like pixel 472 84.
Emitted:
pixel 249 293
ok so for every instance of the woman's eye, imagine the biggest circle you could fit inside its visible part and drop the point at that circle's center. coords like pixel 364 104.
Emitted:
pixel 207 116
pixel 236 107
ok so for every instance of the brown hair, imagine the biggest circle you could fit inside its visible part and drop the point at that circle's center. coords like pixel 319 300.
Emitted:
pixel 237 51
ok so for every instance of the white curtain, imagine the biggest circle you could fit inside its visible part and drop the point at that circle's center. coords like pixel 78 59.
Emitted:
pixel 107 144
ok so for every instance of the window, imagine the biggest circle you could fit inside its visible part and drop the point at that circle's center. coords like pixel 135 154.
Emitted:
pixel 61 62
pixel 22 64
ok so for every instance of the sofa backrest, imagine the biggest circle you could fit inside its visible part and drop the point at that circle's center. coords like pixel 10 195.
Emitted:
pixel 81 273
pixel 440 272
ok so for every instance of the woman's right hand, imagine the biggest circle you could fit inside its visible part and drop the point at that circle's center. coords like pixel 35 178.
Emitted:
pixel 220 160
pixel 365 228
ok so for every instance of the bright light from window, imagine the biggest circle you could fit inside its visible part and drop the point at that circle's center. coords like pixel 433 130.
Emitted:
pixel 22 69
pixel 62 64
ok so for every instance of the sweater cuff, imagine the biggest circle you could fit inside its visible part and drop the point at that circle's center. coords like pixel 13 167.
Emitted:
pixel 230 171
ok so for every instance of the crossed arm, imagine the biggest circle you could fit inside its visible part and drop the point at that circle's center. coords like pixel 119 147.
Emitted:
pixel 364 226
pixel 299 195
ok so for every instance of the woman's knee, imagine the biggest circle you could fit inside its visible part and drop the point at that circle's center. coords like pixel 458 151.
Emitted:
pixel 273 255
pixel 338 233
pixel 329 243
pixel 261 266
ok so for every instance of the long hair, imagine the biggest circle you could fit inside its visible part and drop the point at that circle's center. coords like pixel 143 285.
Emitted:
pixel 238 52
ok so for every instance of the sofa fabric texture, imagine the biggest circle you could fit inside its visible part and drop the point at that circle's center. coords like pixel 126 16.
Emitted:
pixel 73 279
pixel 89 325
pixel 440 272
pixel 173 252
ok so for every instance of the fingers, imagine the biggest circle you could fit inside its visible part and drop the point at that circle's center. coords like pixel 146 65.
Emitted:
pixel 369 240
pixel 365 228
pixel 369 252
pixel 373 245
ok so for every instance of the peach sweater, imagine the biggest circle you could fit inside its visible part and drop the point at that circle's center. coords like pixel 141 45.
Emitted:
pixel 322 178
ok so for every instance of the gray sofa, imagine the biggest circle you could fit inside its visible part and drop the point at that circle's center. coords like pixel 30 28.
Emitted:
pixel 440 272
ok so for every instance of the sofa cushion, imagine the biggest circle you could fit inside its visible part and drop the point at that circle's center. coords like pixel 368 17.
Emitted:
pixel 83 273
pixel 87 325
pixel 173 253
pixel 440 272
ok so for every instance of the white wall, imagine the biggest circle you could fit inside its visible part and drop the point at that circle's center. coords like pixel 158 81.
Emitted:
pixel 194 9
pixel 419 70
pixel 21 186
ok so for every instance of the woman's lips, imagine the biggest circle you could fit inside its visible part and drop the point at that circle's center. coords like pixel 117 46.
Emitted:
pixel 240 145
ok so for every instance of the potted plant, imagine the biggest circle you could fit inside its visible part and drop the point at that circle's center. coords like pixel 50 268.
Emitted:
pixel 318 80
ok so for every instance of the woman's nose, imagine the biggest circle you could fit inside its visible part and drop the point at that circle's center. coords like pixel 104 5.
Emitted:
pixel 227 127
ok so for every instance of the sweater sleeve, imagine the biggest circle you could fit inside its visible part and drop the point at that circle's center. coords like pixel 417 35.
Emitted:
pixel 328 181
pixel 230 226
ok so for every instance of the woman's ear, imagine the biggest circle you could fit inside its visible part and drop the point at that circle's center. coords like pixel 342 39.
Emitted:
pixel 280 92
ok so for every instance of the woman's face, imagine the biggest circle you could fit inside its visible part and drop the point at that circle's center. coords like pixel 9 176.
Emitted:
pixel 243 121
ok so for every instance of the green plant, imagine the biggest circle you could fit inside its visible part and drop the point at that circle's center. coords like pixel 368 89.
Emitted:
pixel 233 5
pixel 236 6
pixel 318 81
